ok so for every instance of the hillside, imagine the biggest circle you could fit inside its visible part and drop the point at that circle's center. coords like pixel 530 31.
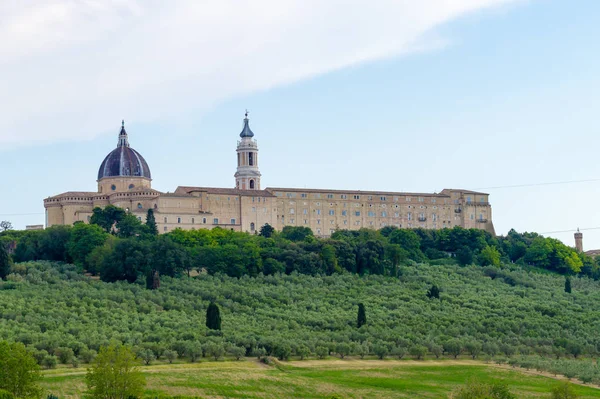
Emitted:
pixel 50 306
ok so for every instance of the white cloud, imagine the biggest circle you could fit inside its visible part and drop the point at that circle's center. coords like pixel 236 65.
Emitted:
pixel 69 67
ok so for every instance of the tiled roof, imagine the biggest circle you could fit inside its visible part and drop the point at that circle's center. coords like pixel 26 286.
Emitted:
pixel 313 190
pixel 224 191
pixel 79 194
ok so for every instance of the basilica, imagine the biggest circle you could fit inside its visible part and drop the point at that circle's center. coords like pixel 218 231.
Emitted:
pixel 124 180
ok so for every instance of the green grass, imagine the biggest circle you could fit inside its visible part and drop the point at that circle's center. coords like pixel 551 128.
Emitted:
pixel 318 379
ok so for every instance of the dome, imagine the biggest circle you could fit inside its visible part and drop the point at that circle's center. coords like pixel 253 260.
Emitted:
pixel 124 161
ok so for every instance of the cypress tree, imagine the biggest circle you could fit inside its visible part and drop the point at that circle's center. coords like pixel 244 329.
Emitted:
pixel 362 316
pixel 4 261
pixel 568 285
pixel 151 222
pixel 213 317
pixel 434 292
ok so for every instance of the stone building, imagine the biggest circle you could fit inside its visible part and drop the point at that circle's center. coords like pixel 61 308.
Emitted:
pixel 124 180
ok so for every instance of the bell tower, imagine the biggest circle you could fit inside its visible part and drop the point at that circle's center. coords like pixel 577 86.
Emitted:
pixel 247 176
pixel 579 241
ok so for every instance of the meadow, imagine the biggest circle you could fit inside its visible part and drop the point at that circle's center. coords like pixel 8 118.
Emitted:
pixel 353 378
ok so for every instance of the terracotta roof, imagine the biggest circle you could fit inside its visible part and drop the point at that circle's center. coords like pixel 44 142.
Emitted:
pixel 79 194
pixel 313 190
pixel 464 191
pixel 224 191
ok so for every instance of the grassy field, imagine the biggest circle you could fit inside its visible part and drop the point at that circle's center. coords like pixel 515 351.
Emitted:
pixel 318 379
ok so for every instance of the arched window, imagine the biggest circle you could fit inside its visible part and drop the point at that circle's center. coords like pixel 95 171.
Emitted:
pixel 251 158
pixel 252 227
pixel 251 184
pixel 139 205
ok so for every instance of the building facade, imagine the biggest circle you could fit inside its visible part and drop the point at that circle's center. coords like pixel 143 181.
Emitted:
pixel 124 180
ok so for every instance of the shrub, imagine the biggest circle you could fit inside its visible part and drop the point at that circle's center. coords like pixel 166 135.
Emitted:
pixel 563 391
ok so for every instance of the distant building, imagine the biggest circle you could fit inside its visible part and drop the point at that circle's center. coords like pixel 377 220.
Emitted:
pixel 124 180
pixel 579 241
pixel 35 227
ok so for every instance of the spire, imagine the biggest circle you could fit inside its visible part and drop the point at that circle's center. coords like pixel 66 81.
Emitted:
pixel 123 142
pixel 246 132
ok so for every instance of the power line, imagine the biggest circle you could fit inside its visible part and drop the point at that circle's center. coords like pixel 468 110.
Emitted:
pixel 539 184
pixel 21 214
pixel 570 231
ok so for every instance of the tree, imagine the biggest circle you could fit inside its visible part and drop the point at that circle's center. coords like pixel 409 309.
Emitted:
pixel 296 233
pixel 453 347
pixel 267 230
pixel 237 352
pixel 564 391
pixel 381 350
pixel 213 317
pixel 434 292
pixel 474 348
pixel 477 390
pixel 362 316
pixel 4 261
pixel 84 238
pixel 342 349
pixel 151 222
pixel 148 356
pixel 5 225
pixel 464 256
pixel 106 218
pixel 115 374
pixel 19 372
pixel 418 351
pixel 567 285
pixel 170 355
pixel 489 256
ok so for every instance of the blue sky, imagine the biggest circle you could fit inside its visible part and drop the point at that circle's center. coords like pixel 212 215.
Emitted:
pixel 471 94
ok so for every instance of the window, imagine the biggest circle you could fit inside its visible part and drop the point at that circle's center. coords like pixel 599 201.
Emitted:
pixel 193 220
pixel 331 231
pixel 468 200
pixel 318 231
pixel 370 197
pixel 482 200
pixel 357 213
pixel 331 212
pixel 292 220
pixel 318 221
pixel 232 221
pixel 382 198
pixel 421 199
pixel 396 214
pixel 434 217
pixel 305 211
pixel 252 226
pixel 204 220
pixel 371 214
pixel 433 200
pixel 178 220
pixel 329 196
pixel 304 195
pixel 408 199
pixel 113 187
pixel 472 216
pixel 409 216
pixel 318 211
pixel 345 222
pixel 357 197
pixel 253 209
pixel 251 184
pixel 291 195
pixel 343 196
pixel 344 212
pixel 166 219
pixel 140 218
pixel 251 160
pixel 305 221
pixel 139 206
pixel 384 214
pixel 165 228
pixel 216 221
pixel 292 211
pixel 332 222
pixel 317 195
pixel 318 204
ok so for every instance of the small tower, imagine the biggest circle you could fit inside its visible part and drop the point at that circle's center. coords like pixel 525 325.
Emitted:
pixel 247 176
pixel 579 241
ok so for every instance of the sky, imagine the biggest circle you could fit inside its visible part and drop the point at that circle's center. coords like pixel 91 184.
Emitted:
pixel 500 96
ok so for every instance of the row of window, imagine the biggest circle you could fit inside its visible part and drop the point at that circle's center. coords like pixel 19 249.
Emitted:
pixel 371 223
pixel 204 220
pixel 357 197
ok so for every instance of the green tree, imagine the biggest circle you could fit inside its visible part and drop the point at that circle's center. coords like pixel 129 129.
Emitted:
pixel 19 372
pixel 106 218
pixel 568 285
pixel 418 351
pixel 464 256
pixel 329 259
pixel 115 374
pixel 148 356
pixel 213 317
pixel 4 261
pixel 170 355
pixel 296 233
pixel 433 292
pixel 489 256
pixel 151 222
pixel 409 241
pixel 564 390
pixel 478 390
pixel 453 347
pixel 267 230
pixel 84 238
pixel 362 316
pixel 129 226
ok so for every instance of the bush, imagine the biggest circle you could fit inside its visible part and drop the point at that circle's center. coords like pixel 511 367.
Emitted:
pixel 477 390
pixel 563 391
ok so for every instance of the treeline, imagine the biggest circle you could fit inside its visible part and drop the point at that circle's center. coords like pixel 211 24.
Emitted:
pixel 117 246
